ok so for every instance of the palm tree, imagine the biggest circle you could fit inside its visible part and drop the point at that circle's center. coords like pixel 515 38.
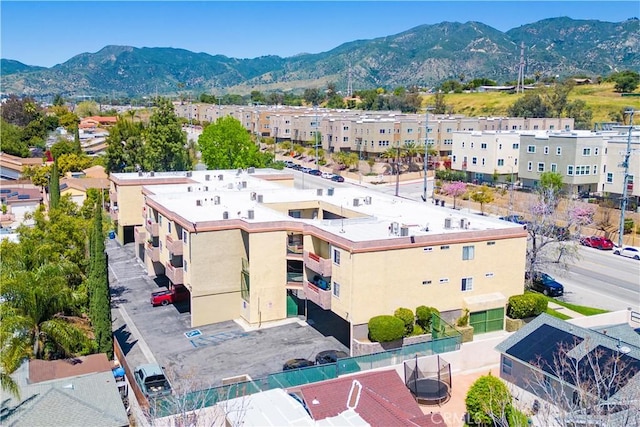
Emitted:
pixel 410 150
pixel 30 316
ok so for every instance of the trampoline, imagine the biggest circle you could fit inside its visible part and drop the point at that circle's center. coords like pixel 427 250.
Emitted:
pixel 429 391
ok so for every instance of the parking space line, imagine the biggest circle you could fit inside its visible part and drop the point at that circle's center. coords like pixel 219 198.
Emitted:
pixel 137 335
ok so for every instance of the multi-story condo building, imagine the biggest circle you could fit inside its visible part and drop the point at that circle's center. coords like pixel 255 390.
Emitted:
pixel 247 245
pixel 576 155
pixel 613 171
pixel 486 156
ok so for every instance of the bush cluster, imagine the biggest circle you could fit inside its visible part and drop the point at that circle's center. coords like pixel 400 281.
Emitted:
pixel 408 319
pixel 489 400
pixel 423 316
pixel 526 305
pixel 385 328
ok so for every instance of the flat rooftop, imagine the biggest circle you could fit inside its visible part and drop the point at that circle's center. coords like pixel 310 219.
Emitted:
pixel 357 214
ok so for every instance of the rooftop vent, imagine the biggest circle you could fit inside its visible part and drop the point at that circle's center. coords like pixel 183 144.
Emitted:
pixel 250 214
pixel 330 191
pixel 251 170
pixel 220 177
pixel 216 200
pixel 447 223
pixel 207 177
pixel 244 184
pixel 367 200
pixel 140 173
pixel 189 174
pixel 189 189
pixel 356 202
pixel 152 173
pixel 404 231
pixel 394 228
pixel 225 215
pixel 260 198
pixel 319 191
pixel 198 202
pixel 464 223
pixel 253 195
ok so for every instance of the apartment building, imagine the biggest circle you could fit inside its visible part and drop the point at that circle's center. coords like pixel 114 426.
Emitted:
pixel 486 156
pixel 613 171
pixel 576 155
pixel 249 246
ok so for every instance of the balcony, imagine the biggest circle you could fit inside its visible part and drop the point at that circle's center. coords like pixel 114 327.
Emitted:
pixel 153 252
pixel 139 234
pixel 174 246
pixel 321 266
pixel 175 274
pixel 294 250
pixel 152 228
pixel 113 213
pixel 317 295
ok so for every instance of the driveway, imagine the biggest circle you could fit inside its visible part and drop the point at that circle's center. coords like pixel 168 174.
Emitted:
pixel 197 357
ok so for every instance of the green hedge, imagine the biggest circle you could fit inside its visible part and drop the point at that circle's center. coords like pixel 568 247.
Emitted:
pixel 527 305
pixel 385 328
pixel 423 317
pixel 487 399
pixel 407 317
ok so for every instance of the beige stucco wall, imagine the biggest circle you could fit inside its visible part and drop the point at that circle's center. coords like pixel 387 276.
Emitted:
pixel 207 309
pixel 130 201
pixel 379 282
pixel 77 196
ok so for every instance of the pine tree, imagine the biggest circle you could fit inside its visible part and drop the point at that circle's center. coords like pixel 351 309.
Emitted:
pixel 76 141
pixel 54 186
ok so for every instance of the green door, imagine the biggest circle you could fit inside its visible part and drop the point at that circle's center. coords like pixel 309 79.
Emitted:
pixel 487 321
pixel 479 322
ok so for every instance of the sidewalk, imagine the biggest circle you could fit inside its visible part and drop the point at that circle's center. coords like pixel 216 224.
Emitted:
pixel 564 310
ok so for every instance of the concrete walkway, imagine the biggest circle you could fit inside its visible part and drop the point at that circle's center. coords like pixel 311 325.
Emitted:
pixel 564 310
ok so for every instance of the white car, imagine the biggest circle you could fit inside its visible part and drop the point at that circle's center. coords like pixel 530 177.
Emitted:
pixel 628 251
pixel 327 175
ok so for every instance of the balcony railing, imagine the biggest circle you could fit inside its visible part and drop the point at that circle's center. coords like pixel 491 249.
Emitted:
pixel 153 252
pixel 174 246
pixel 152 228
pixel 139 234
pixel 294 249
pixel 175 274
pixel 317 295
pixel 113 213
pixel 315 263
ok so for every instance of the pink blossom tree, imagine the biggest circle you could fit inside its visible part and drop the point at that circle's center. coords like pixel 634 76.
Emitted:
pixel 454 189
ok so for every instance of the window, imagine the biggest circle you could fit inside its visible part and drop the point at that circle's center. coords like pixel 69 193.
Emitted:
pixel 595 169
pixel 169 226
pixel 184 265
pixel 507 365
pixel 467 284
pixel 444 280
pixel 449 130
pixel 529 166
pixel 499 146
pixel 554 167
pixel 515 146
pixel 382 130
pixel 474 160
pixel 586 151
pixel 483 145
pixel 500 162
pixel 160 220
pixel 569 170
pixel 184 236
pixel 491 243
pixel 345 127
pixel 546 150
pixel 160 246
pixel 472 145
pixel 426 282
pixel 336 256
pixel 462 144
pixel 531 148
pixel 454 159
pixel 468 252
pixel 558 151
pixel 596 151
pixel 336 289
pixel 609 178
pixel 345 139
pixel 540 167
pixel 488 275
pixel 444 247
pixel 429 249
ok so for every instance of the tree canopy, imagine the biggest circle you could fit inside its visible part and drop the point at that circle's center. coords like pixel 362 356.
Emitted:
pixel 226 144
pixel 165 142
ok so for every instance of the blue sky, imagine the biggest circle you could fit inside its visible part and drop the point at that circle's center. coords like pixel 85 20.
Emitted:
pixel 48 33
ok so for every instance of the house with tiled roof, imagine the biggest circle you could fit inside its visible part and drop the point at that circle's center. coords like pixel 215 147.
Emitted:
pixel 584 376
pixel 79 392
pixel 77 187
pixel 11 167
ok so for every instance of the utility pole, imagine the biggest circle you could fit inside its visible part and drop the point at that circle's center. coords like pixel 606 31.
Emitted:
pixel 398 170
pixel 315 136
pixel 426 151
pixel 625 181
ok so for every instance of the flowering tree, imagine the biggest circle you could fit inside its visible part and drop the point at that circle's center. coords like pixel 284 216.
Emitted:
pixel 454 189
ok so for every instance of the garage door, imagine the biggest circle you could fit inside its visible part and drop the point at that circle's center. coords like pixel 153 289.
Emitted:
pixel 487 320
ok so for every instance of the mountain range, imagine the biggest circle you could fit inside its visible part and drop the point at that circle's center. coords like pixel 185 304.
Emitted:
pixel 425 55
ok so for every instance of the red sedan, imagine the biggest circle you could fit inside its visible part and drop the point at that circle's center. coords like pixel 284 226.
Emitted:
pixel 597 242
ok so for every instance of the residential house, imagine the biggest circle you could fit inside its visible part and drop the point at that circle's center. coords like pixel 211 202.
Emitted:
pixel 11 167
pixel 613 171
pixel 486 156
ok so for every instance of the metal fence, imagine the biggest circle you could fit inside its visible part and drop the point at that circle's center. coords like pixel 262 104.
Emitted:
pixel 445 339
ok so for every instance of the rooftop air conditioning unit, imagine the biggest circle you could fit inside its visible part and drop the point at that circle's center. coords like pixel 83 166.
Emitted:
pixel 356 202
pixel 404 231
pixel 253 195
pixel 239 171
pixel 260 198
pixel 206 188
pixel 330 191
pixel 207 177
pixel 189 189
pixel 319 191
pixel 250 214
pixel 244 184
pixel 251 170
pixel 189 174
pixel 216 200
pixel 152 173
pixel 220 177
pixel 464 223
pixel 230 186
pixel 198 202
pixel 367 200
pixel 225 215
pixel 394 228
pixel 140 173
pixel 447 223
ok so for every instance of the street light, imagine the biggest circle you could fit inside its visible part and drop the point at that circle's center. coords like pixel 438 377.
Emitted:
pixel 426 150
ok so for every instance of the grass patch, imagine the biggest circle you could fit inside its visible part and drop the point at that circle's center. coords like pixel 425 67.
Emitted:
pixel 586 311
pixel 554 313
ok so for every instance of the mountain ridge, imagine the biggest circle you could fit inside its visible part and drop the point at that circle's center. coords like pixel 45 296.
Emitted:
pixel 424 55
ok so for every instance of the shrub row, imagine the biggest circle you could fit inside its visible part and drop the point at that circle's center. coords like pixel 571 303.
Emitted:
pixel 403 323
pixel 526 305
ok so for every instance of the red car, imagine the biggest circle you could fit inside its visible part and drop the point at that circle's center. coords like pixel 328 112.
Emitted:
pixel 170 296
pixel 597 242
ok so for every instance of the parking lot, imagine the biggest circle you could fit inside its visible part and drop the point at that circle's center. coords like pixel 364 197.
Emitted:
pixel 201 356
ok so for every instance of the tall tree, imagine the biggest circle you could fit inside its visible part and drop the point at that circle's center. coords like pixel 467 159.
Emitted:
pixel 165 142
pixel 226 144
pixel 11 137
pixel 76 141
pixel 454 189
pixel 125 147
pixel 54 186
pixel 482 195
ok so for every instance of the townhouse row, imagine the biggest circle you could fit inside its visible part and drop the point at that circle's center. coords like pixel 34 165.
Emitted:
pixel 370 133
pixel 249 245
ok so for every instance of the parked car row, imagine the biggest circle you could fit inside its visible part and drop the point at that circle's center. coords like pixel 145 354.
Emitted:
pixel 315 172
pixel 322 358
